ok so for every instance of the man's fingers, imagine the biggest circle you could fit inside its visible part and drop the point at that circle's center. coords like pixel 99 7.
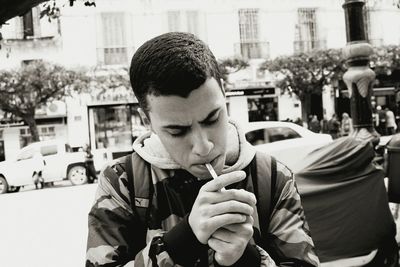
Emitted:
pixel 223 181
pixel 224 235
pixel 219 221
pixel 216 243
pixel 240 195
pixel 231 206
pixel 241 227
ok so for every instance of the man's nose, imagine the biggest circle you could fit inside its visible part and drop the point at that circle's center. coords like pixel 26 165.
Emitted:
pixel 201 145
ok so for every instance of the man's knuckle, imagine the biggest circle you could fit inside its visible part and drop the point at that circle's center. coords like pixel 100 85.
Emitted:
pixel 234 194
pixel 204 225
pixel 218 184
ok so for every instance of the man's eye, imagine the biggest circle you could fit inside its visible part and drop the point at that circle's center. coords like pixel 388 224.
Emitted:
pixel 177 133
pixel 212 121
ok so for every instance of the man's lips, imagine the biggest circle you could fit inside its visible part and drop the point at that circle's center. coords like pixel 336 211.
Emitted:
pixel 204 162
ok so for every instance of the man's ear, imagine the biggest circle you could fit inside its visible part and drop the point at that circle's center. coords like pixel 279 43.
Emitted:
pixel 145 119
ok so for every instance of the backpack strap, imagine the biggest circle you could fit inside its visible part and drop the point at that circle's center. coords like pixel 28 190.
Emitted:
pixel 264 174
pixel 140 190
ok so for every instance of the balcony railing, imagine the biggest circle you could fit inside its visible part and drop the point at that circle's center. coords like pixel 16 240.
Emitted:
pixel 376 42
pixel 33 43
pixel 33 48
pixel 114 55
pixel 252 50
pixel 309 45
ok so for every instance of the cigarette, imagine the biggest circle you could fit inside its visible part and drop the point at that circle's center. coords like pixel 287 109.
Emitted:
pixel 212 172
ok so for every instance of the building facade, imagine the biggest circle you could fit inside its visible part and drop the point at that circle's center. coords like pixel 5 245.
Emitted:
pixel 106 36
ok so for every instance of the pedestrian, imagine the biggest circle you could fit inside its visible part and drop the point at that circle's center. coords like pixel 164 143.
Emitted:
pixel 314 124
pixel 39 163
pixel 299 121
pixel 334 126
pixel 346 125
pixel 324 125
pixel 382 120
pixel 160 207
pixel 391 125
pixel 89 165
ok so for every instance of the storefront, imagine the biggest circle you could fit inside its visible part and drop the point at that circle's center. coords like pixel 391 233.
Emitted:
pixel 114 126
pixel 261 103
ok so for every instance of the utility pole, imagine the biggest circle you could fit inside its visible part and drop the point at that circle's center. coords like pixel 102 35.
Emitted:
pixel 359 77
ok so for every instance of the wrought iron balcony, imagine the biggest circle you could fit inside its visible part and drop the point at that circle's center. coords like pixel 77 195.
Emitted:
pixel 376 42
pixel 309 45
pixel 252 50
pixel 33 47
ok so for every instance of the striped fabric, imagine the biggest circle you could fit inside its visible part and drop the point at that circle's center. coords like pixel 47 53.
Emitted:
pixel 118 238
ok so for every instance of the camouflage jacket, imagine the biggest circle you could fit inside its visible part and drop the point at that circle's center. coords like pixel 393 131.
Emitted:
pixel 117 236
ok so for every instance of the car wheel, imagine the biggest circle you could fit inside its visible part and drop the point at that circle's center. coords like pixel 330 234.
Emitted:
pixel 77 175
pixel 3 185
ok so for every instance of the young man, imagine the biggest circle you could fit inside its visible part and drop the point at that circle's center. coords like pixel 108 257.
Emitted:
pixel 192 219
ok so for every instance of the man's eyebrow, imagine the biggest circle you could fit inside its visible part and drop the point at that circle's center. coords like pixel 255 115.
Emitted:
pixel 180 127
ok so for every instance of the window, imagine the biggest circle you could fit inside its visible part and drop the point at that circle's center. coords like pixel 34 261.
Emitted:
pixel 257 137
pixel 270 135
pixel 174 21
pixel 48 150
pixel 114 48
pixel 192 21
pixel 112 128
pixel 372 27
pixel 250 45
pixel 248 25
pixel 281 133
pixel 25 137
pixel 306 38
pixel 27 24
pixel 187 21
pixel 47 133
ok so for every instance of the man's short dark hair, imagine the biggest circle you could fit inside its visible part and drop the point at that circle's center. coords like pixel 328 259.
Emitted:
pixel 173 63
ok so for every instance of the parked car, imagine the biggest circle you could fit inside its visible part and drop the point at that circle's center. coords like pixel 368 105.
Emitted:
pixel 286 141
pixel 60 163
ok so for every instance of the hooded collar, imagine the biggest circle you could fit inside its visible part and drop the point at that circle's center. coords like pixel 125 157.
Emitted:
pixel 239 154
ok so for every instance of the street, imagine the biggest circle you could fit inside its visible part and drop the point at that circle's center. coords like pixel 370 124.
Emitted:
pixel 48 227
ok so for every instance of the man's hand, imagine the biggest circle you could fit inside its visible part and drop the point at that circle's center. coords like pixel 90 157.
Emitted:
pixel 214 208
pixel 230 241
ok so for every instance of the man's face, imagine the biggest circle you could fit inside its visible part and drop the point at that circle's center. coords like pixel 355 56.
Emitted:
pixel 193 129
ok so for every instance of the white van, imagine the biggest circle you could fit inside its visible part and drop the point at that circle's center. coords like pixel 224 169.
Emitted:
pixel 59 164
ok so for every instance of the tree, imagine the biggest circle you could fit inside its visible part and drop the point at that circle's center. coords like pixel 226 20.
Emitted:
pixel 50 8
pixel 231 65
pixel 385 59
pixel 306 73
pixel 33 85
pixel 111 84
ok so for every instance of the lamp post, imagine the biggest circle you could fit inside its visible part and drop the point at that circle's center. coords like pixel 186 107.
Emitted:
pixel 359 77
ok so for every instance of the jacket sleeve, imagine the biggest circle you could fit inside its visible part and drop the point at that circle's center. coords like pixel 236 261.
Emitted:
pixel 290 240
pixel 116 236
